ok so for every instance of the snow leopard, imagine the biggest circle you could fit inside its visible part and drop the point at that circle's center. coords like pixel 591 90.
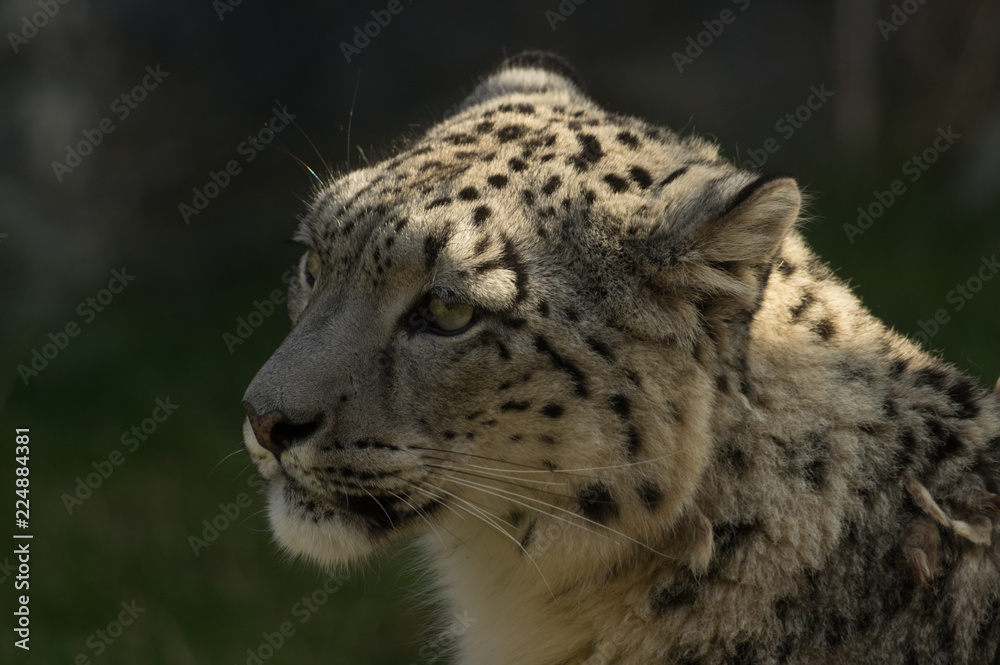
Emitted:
pixel 591 366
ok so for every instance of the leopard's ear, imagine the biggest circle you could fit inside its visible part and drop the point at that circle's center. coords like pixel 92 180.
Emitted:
pixel 738 218
pixel 528 73
pixel 715 236
pixel 708 252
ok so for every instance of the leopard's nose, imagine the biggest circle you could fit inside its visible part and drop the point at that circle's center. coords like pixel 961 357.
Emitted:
pixel 276 432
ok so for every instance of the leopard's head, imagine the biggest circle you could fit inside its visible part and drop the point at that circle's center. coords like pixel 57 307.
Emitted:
pixel 522 316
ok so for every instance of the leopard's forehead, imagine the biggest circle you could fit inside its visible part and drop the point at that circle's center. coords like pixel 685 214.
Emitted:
pixel 527 165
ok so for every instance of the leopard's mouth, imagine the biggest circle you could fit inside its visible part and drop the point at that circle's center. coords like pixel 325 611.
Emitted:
pixel 376 512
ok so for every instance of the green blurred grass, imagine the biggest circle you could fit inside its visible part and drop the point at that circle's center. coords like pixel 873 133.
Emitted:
pixel 130 539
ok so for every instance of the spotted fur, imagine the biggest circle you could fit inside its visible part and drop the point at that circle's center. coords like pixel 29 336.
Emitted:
pixel 669 434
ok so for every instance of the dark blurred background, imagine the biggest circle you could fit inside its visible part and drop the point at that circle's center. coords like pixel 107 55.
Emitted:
pixel 118 517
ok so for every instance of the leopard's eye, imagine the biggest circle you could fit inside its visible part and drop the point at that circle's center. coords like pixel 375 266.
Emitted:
pixel 448 318
pixel 311 267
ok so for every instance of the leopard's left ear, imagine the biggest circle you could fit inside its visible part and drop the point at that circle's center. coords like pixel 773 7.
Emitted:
pixel 739 218
pixel 709 252
pixel 530 72
pixel 716 237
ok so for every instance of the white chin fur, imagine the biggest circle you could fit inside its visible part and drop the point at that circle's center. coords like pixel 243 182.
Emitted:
pixel 326 542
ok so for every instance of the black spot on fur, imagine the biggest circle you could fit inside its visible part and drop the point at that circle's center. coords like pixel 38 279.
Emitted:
pixel 824 328
pixel 482 245
pixel 963 395
pixel 682 592
pixel 590 152
pixel 735 459
pixel 616 183
pixel 484 127
pixel 526 537
pixel 553 410
pixel 552 184
pixel 651 495
pixel 814 471
pixel 673 176
pixel 889 409
pixel 600 348
pixel 633 441
pixel 798 310
pixel 510 133
pixel 898 367
pixel 596 503
pixel 528 196
pixel 481 214
pixel 468 194
pixel 932 377
pixel 461 139
pixel 562 363
pixel 432 247
pixel 517 165
pixel 628 139
pixel 836 629
pixel 497 181
pixel 515 406
pixel 641 177
pixel 502 350
pixel 944 443
pixel 437 203
pixel 729 538
pixel 620 405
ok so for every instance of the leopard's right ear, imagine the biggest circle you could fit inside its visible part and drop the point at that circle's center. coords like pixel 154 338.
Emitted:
pixel 529 72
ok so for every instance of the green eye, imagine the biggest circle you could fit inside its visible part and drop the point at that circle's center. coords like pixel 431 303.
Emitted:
pixel 448 318
pixel 312 267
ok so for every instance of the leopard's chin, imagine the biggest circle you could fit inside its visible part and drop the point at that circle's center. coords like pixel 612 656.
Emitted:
pixel 339 529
